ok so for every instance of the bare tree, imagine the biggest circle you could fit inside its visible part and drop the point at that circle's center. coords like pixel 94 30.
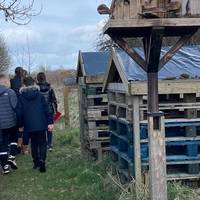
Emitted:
pixel 4 56
pixel 104 42
pixel 18 11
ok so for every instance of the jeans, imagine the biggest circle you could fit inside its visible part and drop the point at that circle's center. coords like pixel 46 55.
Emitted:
pixel 49 138
pixel 26 138
pixel 38 146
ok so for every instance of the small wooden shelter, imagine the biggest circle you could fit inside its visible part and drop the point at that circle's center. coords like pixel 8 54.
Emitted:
pixel 93 103
pixel 179 92
pixel 152 21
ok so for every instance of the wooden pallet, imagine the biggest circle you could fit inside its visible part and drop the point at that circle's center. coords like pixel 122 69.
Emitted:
pixel 97 113
pixel 99 135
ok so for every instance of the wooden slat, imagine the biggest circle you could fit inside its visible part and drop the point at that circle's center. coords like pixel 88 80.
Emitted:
pixel 167 87
pixel 161 22
pixel 136 139
pixel 95 79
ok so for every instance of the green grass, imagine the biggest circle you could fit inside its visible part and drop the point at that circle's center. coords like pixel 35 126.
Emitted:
pixel 67 177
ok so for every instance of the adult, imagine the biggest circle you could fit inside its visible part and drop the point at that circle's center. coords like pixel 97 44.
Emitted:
pixel 16 82
pixel 50 97
pixel 8 122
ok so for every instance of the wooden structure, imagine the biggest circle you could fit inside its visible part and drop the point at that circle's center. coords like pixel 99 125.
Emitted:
pixel 71 103
pixel 127 103
pixel 93 103
pixel 152 21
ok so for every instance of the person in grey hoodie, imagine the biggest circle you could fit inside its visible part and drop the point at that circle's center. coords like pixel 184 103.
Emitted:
pixel 8 128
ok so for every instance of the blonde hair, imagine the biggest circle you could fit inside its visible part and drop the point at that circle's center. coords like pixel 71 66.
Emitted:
pixel 4 80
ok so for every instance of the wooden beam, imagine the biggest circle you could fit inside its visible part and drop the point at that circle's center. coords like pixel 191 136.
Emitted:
pixel 131 52
pixel 154 45
pixel 166 58
pixel 157 157
pixel 136 139
pixel 159 22
pixel 182 86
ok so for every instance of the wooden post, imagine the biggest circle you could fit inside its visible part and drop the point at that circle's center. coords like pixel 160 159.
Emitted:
pixel 156 130
pixel 157 157
pixel 66 106
pixel 136 138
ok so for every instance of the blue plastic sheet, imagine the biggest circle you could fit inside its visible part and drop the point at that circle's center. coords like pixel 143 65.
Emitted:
pixel 95 63
pixel 185 61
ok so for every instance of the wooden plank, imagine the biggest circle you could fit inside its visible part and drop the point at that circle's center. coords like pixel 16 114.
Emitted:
pixel 157 22
pixel 166 58
pixel 157 159
pixel 131 52
pixel 136 139
pixel 95 79
pixel 167 87
pixel 127 10
pixel 117 87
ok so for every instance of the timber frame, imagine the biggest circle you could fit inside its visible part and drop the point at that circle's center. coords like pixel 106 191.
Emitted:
pixel 152 32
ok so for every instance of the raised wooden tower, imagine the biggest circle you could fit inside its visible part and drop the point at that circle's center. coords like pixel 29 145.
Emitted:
pixel 152 20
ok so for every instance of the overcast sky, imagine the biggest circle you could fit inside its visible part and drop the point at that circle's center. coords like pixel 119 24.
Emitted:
pixel 55 36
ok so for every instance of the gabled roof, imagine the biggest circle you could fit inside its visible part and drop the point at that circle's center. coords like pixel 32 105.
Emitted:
pixel 185 61
pixel 92 63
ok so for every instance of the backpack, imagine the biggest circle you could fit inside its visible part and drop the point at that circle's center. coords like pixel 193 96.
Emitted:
pixel 47 96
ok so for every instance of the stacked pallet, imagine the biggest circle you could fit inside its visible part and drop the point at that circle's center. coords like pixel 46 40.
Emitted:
pixel 95 138
pixel 127 102
pixel 182 136
pixel 96 119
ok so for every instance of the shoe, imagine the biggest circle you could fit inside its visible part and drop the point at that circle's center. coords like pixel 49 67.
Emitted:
pixel 6 169
pixel 50 148
pixel 12 162
pixel 42 167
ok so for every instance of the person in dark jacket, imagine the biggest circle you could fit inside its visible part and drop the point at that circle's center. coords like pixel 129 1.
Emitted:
pixel 16 82
pixel 49 94
pixel 8 122
pixel 34 118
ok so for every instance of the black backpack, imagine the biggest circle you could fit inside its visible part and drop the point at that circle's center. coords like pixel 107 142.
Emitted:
pixel 47 96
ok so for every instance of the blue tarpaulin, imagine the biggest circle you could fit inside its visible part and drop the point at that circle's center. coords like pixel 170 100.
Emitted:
pixel 185 61
pixel 95 63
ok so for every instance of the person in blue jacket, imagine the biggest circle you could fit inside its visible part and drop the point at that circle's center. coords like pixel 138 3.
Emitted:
pixel 34 118
pixel 8 128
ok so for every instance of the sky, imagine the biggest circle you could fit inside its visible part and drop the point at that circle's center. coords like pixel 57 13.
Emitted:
pixel 54 37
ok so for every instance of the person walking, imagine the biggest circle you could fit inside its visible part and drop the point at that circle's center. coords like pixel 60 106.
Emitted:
pixel 8 128
pixel 16 84
pixel 50 97
pixel 34 118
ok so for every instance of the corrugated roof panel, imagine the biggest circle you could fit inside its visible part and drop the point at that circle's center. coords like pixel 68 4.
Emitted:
pixel 95 63
pixel 185 61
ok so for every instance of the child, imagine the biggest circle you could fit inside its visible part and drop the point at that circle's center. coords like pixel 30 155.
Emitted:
pixel 8 130
pixel 34 119
pixel 50 97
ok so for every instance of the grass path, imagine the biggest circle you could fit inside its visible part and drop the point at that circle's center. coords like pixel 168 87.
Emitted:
pixel 67 178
